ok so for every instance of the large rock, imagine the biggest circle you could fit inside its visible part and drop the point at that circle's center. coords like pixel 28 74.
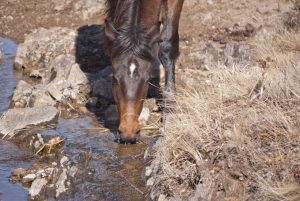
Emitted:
pixel 19 118
pixel 43 45
pixel 66 80
pixel 69 63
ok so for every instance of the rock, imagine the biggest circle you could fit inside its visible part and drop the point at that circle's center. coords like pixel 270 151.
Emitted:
pixel 19 118
pixel 43 45
pixel 60 184
pixel 150 182
pixel 73 170
pixel 66 80
pixel 63 161
pixel 41 173
pixel 36 186
pixel 40 97
pixel 60 5
pixel 22 92
pixel 37 73
pixel 111 114
pixel 88 8
pixel 144 116
pixel 19 172
pixel 206 55
pixel 162 197
pixel 148 171
pixel 28 178
pixel 0 54
pixel 237 53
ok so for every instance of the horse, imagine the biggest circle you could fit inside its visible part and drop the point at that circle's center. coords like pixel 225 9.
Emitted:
pixel 135 42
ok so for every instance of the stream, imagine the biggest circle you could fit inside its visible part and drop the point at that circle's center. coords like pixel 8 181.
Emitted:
pixel 108 170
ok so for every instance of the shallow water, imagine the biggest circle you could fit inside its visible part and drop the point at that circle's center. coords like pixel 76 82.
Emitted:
pixel 108 171
pixel 11 156
pixel 7 78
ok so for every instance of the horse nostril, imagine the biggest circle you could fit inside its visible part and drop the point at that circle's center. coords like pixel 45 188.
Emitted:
pixel 125 139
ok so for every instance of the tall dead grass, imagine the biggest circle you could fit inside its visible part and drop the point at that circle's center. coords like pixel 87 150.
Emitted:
pixel 236 137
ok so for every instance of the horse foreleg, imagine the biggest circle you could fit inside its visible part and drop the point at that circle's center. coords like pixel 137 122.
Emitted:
pixel 169 45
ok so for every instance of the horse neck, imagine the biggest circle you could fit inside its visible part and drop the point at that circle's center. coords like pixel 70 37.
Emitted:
pixel 127 14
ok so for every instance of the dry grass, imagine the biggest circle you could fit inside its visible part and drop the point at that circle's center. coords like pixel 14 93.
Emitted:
pixel 236 137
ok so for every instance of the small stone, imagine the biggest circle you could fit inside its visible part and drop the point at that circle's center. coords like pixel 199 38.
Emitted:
pixel 37 74
pixel 36 186
pixel 150 181
pixel 148 171
pixel 63 160
pixel 162 198
pixel 28 178
pixel 144 116
pixel 19 172
pixel 41 173
pixel 73 170
pixel 22 90
pixel 60 184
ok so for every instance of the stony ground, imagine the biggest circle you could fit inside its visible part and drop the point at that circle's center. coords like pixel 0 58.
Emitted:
pixel 61 39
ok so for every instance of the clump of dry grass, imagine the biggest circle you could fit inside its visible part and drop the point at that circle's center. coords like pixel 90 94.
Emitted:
pixel 291 19
pixel 236 137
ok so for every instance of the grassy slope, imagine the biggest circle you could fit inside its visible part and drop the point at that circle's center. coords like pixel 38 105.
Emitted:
pixel 237 137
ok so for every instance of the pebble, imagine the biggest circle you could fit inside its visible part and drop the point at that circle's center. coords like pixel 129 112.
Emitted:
pixel 148 171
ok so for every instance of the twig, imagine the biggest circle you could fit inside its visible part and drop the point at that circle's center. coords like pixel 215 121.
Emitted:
pixel 101 129
pixel 150 128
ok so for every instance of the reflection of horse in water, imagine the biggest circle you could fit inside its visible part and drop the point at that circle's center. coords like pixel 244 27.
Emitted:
pixel 132 29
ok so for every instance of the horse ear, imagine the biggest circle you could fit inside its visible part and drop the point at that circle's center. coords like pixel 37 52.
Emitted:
pixel 110 31
pixel 154 33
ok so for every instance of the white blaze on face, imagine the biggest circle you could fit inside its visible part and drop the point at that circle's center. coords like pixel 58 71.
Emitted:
pixel 132 69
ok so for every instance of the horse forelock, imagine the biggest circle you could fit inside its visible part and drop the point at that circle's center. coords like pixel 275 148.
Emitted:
pixel 131 36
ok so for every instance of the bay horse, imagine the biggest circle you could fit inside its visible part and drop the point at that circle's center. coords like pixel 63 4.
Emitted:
pixel 135 43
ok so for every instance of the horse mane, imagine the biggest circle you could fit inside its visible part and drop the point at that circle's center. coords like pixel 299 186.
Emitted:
pixel 131 36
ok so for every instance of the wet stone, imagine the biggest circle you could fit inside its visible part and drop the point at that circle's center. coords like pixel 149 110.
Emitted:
pixel 19 172
pixel 60 184
pixel 36 186
pixel 19 118
pixel 28 178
